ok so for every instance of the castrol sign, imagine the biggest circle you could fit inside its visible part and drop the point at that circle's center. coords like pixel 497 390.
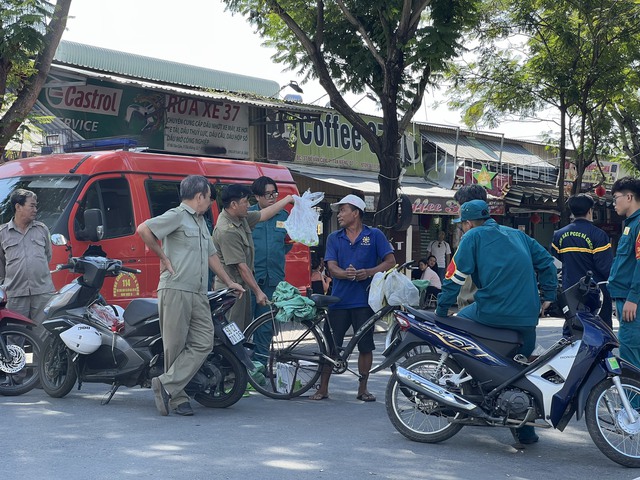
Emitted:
pixel 86 98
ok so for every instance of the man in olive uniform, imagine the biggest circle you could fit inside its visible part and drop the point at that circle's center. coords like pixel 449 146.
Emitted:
pixel 186 256
pixel 234 243
pixel 25 253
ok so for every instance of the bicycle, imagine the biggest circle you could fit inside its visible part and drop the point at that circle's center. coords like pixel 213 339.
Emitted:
pixel 298 350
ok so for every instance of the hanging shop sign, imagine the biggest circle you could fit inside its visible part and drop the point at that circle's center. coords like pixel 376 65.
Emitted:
pixel 592 175
pixel 331 141
pixel 447 206
pixel 496 184
pixel 162 121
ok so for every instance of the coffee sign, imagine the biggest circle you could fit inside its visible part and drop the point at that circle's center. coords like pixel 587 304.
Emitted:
pixel 444 206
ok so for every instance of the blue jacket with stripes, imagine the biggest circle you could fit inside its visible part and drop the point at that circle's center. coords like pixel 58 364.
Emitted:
pixel 582 247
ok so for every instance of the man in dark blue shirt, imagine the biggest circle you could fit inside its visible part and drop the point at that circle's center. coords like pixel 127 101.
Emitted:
pixel 353 254
pixel 583 247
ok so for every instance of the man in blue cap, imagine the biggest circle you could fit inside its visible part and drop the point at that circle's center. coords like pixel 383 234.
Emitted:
pixel 503 263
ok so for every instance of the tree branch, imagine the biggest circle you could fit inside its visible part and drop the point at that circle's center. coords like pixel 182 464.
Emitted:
pixel 363 33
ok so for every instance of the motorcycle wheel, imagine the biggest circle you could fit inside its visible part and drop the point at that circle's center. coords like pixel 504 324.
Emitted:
pixel 58 374
pixel 19 374
pixel 415 415
pixel 607 422
pixel 232 384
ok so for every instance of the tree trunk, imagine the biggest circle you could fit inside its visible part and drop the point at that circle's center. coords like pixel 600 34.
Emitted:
pixel 28 94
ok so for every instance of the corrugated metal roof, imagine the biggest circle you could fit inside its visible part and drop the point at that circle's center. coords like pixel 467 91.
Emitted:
pixel 484 150
pixel 464 148
pixel 515 154
pixel 246 98
pixel 157 70
pixel 367 182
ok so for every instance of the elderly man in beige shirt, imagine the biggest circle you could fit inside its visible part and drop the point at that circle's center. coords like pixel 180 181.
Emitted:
pixel 25 252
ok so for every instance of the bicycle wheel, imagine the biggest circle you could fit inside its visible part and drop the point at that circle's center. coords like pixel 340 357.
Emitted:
pixel 291 355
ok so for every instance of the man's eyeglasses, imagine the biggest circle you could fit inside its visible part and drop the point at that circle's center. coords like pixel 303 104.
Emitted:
pixel 270 195
pixel 616 197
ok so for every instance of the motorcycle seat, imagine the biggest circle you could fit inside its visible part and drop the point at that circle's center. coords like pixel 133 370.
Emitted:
pixel 474 328
pixel 139 310
pixel 481 331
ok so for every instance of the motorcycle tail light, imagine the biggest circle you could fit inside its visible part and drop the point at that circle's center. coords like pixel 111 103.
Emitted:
pixel 402 321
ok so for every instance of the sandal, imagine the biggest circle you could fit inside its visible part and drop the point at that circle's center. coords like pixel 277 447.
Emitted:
pixel 367 397
pixel 318 396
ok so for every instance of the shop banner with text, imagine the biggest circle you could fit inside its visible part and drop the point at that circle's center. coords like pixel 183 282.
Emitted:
pixel 158 120
pixel 331 141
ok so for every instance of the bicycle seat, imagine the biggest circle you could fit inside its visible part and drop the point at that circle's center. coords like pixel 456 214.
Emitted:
pixel 322 301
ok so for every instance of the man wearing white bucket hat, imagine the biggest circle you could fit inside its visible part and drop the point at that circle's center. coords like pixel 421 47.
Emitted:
pixel 353 255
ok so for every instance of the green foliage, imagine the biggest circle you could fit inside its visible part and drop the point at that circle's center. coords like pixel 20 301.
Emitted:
pixel 349 60
pixel 22 28
pixel 572 55
pixel 393 48
pixel 30 31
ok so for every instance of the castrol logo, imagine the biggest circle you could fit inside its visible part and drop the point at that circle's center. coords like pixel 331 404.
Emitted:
pixel 86 98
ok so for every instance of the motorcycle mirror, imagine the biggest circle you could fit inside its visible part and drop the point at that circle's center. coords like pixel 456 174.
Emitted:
pixel 58 239
pixel 93 225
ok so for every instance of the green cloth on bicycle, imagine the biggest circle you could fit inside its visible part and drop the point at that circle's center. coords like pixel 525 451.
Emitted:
pixel 291 305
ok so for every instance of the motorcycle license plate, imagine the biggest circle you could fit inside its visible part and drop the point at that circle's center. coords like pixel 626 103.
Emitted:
pixel 233 333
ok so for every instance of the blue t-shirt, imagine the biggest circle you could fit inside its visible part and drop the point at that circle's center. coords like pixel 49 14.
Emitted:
pixel 367 251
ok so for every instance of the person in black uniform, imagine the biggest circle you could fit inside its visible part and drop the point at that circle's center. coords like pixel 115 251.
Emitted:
pixel 583 247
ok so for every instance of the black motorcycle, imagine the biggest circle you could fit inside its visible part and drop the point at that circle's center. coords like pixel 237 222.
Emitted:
pixel 89 342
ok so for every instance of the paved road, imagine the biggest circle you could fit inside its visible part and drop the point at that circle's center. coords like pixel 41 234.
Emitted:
pixel 260 438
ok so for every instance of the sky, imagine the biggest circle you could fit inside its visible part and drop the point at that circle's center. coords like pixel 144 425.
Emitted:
pixel 202 33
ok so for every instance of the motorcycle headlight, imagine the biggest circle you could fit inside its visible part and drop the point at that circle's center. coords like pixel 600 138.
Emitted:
pixel 3 296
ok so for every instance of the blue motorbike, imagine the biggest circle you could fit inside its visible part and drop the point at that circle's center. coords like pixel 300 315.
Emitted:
pixel 474 377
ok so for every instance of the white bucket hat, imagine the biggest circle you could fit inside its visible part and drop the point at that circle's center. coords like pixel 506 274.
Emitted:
pixel 351 200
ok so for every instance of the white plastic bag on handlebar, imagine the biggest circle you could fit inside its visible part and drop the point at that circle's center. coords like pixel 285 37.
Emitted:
pixel 399 290
pixel 376 292
pixel 302 224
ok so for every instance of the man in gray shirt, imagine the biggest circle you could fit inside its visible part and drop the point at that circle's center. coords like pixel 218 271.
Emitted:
pixel 186 255
pixel 25 252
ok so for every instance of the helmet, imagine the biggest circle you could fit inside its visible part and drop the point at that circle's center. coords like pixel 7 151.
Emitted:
pixel 82 339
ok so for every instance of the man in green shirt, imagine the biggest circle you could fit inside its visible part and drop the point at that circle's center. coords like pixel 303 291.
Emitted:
pixel 234 243
pixel 186 254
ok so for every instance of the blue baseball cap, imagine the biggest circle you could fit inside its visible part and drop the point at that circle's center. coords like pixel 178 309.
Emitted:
pixel 473 210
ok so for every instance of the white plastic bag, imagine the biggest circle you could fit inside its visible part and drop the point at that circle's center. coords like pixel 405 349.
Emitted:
pixel 399 290
pixel 376 292
pixel 302 224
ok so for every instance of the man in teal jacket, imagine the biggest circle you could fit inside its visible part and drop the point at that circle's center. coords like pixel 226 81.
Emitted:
pixel 503 263
pixel 270 240
pixel 624 280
